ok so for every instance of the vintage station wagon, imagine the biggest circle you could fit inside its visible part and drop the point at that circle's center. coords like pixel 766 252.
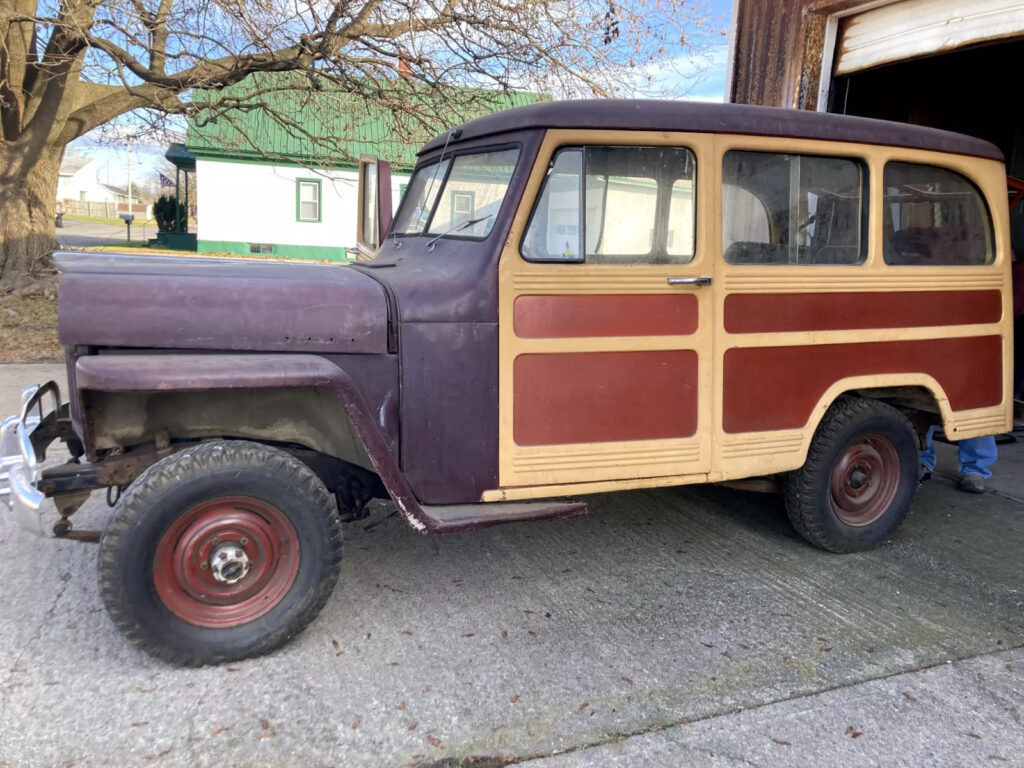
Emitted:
pixel 572 298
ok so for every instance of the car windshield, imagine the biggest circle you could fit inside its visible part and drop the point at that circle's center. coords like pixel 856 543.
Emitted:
pixel 459 196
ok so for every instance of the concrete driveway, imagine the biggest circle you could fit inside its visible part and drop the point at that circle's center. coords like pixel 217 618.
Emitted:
pixel 669 627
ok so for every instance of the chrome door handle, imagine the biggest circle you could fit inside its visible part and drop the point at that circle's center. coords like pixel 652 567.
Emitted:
pixel 689 281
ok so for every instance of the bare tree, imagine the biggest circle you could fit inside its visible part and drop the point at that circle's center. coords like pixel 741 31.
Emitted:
pixel 69 66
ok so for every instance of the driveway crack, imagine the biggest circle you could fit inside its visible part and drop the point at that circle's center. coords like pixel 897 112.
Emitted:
pixel 622 736
pixel 65 580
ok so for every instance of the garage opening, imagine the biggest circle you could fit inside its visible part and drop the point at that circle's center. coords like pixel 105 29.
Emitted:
pixel 972 90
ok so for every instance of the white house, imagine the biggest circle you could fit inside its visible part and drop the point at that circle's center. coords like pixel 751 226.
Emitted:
pixel 263 188
pixel 298 212
pixel 77 180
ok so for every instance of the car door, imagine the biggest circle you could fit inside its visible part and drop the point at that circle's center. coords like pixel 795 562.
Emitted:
pixel 605 316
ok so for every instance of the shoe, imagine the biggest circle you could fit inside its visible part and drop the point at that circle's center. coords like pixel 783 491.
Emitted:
pixel 972 483
pixel 923 474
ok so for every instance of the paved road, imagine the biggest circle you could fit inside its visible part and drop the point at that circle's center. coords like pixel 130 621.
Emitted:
pixel 669 627
pixel 81 234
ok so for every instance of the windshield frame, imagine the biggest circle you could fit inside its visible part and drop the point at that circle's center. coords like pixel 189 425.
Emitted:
pixel 451 157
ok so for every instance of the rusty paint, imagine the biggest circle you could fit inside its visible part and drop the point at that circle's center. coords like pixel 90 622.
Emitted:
pixel 154 302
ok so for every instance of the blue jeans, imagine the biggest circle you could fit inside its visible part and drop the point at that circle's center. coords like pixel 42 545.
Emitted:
pixel 977 454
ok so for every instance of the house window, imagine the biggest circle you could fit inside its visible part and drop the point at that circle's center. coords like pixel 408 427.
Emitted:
pixel 307 199
pixel 261 248
pixel 81 196
pixel 462 206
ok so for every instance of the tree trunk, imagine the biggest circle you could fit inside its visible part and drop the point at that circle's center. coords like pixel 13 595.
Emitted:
pixel 28 200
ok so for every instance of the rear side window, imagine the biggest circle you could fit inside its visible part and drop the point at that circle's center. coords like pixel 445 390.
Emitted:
pixel 933 216
pixel 615 205
pixel 793 209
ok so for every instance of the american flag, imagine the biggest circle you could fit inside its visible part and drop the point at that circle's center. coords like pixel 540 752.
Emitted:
pixel 165 182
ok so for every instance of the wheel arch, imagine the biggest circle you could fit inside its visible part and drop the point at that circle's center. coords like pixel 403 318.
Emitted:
pixel 262 387
pixel 311 417
pixel 917 392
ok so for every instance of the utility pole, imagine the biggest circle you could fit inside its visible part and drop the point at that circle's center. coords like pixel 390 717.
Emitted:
pixel 129 174
pixel 131 215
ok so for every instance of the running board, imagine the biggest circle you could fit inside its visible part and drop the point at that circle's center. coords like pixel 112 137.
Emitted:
pixel 450 518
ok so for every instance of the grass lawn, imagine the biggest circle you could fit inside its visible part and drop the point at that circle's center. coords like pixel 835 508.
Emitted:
pixel 120 222
pixel 105 220
pixel 136 247
pixel 124 246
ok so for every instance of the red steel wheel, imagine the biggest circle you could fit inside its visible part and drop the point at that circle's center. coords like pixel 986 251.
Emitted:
pixel 864 480
pixel 226 561
pixel 221 551
pixel 859 477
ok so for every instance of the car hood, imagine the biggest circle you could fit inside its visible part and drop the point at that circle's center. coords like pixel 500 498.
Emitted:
pixel 159 302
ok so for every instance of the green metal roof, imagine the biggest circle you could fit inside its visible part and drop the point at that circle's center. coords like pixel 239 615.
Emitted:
pixel 276 116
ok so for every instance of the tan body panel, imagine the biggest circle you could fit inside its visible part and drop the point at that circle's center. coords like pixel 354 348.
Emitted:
pixel 712 454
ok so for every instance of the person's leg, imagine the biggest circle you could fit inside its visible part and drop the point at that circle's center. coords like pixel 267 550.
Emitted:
pixel 928 454
pixel 977 454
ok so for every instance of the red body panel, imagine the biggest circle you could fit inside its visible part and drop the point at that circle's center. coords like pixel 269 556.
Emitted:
pixel 546 317
pixel 604 396
pixel 780 312
pixel 769 388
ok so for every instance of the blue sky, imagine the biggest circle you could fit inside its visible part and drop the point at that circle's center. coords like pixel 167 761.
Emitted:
pixel 697 78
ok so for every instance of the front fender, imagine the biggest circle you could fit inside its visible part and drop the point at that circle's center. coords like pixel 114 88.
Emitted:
pixel 197 373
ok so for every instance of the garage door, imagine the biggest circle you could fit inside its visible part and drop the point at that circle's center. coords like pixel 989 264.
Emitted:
pixel 911 28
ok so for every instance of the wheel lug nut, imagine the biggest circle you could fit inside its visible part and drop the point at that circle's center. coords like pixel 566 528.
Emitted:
pixel 223 555
pixel 216 540
pixel 204 565
pixel 243 541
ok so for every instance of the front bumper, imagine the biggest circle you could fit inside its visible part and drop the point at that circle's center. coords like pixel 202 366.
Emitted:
pixel 19 465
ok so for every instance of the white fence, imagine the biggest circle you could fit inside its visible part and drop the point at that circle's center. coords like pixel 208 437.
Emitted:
pixel 107 210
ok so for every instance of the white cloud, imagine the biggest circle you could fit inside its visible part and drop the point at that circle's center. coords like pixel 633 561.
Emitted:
pixel 695 76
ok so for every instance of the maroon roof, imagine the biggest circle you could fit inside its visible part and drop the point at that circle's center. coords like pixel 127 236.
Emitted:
pixel 697 117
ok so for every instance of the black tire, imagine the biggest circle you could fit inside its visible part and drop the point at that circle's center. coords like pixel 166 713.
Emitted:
pixel 220 489
pixel 859 479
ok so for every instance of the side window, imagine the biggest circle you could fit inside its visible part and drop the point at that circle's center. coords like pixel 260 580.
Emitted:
pixel 615 205
pixel 793 209
pixel 933 216
pixel 555 224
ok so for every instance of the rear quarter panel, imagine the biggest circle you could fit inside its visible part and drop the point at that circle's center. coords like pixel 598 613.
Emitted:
pixel 790 339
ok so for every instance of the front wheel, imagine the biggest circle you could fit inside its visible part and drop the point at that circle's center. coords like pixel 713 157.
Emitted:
pixel 860 477
pixel 219 552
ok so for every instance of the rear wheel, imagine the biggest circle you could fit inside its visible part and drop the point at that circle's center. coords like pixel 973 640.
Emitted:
pixel 220 552
pixel 860 477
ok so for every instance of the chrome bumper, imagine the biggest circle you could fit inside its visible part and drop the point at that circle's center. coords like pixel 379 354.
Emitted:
pixel 19 468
